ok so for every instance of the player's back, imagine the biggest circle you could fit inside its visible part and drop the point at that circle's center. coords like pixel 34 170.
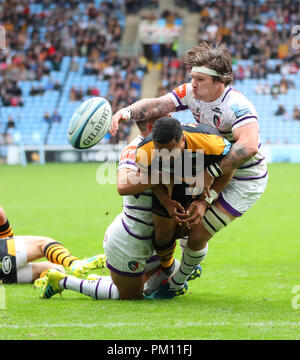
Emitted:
pixel 137 209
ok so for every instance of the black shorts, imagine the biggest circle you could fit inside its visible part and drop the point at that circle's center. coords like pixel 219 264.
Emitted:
pixel 8 268
pixel 178 194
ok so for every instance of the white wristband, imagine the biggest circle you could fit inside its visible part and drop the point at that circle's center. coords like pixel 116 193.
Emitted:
pixel 213 196
pixel 127 113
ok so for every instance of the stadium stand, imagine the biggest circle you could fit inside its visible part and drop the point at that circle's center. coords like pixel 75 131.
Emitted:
pixel 56 50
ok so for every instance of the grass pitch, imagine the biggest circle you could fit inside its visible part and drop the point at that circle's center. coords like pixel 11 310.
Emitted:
pixel 246 288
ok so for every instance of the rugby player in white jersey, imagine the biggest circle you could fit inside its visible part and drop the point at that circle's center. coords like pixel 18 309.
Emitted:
pixel 212 101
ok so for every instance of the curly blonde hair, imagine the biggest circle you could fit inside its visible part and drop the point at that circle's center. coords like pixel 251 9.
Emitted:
pixel 217 58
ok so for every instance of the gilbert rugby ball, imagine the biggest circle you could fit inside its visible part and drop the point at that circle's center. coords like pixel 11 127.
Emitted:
pixel 89 123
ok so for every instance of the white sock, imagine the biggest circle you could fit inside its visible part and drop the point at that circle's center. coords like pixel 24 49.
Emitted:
pixel 189 260
pixel 182 242
pixel 102 288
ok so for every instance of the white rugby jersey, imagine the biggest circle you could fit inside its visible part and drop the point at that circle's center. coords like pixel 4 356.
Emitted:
pixel 230 111
pixel 137 209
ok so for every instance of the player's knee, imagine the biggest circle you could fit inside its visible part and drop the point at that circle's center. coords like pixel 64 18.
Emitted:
pixel 163 236
pixel 43 242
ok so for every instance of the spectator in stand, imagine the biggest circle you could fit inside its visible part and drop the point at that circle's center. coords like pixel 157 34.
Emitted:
pixel 283 86
pixel 259 89
pixel 10 124
pixel 275 90
pixel 296 113
pixel 56 118
pixel 47 117
pixel 280 110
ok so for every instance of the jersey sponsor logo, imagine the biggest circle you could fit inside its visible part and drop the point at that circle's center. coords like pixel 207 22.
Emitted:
pixel 128 153
pixel 217 120
pixel 240 110
pixel 217 110
pixel 133 265
pixel 6 265
pixel 181 90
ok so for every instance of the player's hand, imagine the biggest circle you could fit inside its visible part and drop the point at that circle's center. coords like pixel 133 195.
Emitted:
pixel 208 181
pixel 120 116
pixel 196 212
pixel 176 211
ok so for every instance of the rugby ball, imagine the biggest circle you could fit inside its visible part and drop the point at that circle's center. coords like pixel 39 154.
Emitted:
pixel 89 123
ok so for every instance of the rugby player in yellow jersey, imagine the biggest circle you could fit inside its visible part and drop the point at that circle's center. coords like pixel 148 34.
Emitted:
pixel 17 254
pixel 168 134
pixel 128 240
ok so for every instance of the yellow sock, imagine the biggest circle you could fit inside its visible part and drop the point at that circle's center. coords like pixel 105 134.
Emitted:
pixel 6 230
pixel 166 255
pixel 43 274
pixel 58 254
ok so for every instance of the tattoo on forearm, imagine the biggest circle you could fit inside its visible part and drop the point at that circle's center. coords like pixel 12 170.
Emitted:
pixel 236 157
pixel 150 108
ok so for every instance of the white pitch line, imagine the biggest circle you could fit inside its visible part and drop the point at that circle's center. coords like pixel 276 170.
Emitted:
pixel 179 325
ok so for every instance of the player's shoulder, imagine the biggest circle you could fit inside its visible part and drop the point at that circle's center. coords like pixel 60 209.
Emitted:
pixel 146 141
pixel 182 90
pixel 129 151
pixel 235 97
pixel 195 128
pixel 239 103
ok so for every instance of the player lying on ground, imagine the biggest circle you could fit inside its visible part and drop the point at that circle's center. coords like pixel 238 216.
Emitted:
pixel 17 254
pixel 213 101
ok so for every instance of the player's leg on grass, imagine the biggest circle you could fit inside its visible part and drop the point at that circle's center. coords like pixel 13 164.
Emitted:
pixel 5 227
pixel 100 287
pixel 39 246
pixel 103 287
pixel 33 271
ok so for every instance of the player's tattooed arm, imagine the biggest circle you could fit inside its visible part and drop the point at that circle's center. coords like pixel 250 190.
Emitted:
pixel 237 156
pixel 151 108
pixel 245 147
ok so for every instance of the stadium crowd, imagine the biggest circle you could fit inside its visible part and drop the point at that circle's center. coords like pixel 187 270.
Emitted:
pixel 268 26
pixel 37 42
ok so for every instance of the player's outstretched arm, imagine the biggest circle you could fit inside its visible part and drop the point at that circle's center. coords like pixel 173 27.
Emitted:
pixel 130 182
pixel 143 110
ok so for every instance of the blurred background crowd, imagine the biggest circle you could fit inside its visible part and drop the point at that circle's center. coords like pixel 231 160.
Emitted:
pixel 57 54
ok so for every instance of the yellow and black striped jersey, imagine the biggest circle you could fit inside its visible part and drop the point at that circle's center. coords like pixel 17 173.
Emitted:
pixel 197 137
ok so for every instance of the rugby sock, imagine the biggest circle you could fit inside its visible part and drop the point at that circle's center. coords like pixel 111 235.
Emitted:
pixel 6 230
pixel 43 273
pixel 183 241
pixel 166 256
pixel 58 254
pixel 102 288
pixel 189 260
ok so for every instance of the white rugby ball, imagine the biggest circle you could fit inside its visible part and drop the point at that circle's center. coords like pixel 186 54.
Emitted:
pixel 89 123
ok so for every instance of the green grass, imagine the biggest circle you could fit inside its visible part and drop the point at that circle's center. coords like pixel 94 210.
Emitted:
pixel 245 291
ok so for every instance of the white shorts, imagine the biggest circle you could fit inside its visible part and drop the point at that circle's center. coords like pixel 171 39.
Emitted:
pixel 15 268
pixel 240 195
pixel 125 254
pixel 24 269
